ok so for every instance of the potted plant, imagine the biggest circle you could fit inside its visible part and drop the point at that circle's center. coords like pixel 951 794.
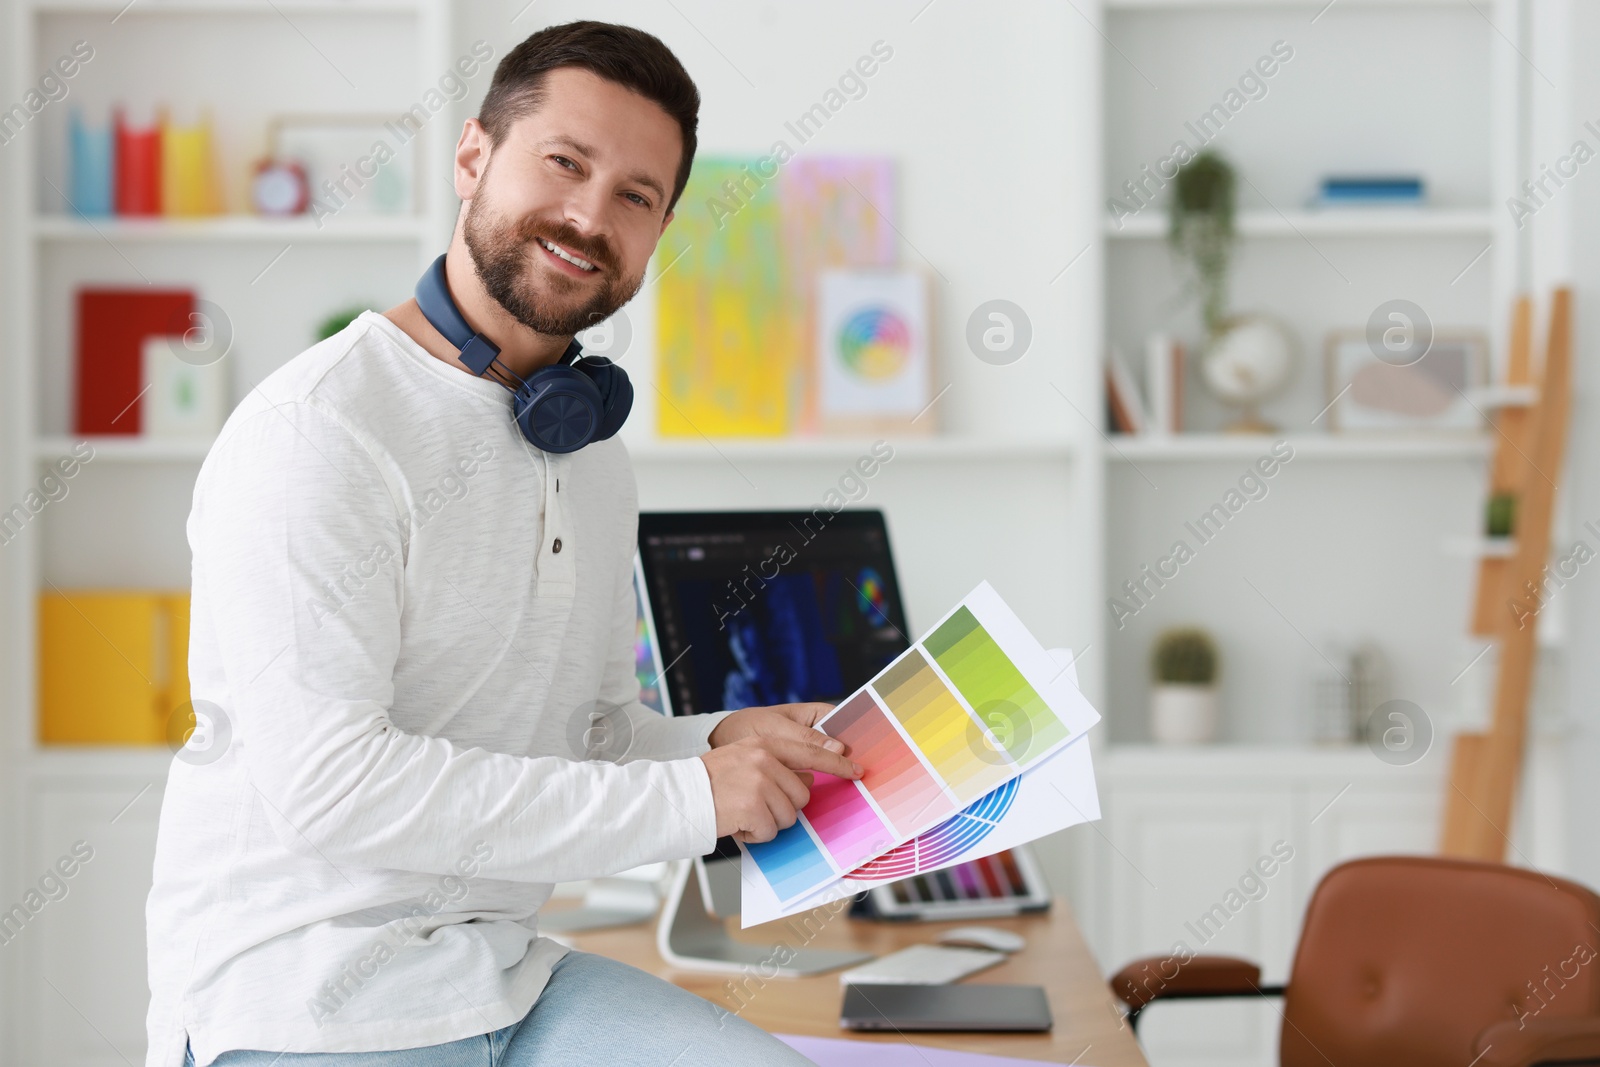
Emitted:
pixel 1200 229
pixel 1246 358
pixel 1183 700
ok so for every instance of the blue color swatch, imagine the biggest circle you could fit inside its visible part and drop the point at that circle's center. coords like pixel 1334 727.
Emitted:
pixel 791 861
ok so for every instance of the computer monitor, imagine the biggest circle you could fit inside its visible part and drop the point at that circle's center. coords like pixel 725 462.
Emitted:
pixel 771 607
pixel 743 609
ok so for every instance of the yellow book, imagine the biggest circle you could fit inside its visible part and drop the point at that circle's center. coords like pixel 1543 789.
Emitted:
pixel 113 666
pixel 188 170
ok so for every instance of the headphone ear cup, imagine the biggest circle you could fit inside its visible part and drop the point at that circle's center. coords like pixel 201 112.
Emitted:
pixel 559 410
pixel 616 393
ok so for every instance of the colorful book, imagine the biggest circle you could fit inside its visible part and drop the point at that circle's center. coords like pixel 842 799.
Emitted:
pixel 112 327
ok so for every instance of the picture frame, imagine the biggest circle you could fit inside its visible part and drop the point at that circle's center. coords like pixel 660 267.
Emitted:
pixel 371 162
pixel 874 365
pixel 1431 395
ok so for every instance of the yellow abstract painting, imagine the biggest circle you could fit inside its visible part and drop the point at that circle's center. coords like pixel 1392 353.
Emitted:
pixel 736 292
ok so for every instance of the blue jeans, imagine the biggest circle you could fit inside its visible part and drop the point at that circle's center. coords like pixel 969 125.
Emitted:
pixel 594 1010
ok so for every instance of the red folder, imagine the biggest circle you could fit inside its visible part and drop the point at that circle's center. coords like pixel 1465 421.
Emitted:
pixel 112 326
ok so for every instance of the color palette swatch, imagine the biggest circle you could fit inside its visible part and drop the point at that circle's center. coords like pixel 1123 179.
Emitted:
pixel 1016 715
pixel 791 862
pixel 944 842
pixel 845 823
pixel 906 791
pixel 942 734
pixel 936 723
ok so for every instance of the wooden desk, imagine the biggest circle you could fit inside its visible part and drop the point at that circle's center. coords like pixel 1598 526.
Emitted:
pixel 1088 1027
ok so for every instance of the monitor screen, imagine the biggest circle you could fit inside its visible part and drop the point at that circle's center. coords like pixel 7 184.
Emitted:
pixel 759 608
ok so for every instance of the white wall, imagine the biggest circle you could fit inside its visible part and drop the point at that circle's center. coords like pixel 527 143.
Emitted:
pixel 1564 251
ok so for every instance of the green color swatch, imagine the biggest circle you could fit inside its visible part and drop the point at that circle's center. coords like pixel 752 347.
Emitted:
pixel 1012 709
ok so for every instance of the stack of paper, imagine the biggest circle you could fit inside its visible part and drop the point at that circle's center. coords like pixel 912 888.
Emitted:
pixel 971 742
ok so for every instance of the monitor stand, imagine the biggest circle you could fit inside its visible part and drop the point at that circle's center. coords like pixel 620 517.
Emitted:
pixel 607 902
pixel 689 936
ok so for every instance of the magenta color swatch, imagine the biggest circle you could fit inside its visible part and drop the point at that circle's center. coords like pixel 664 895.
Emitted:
pixel 850 830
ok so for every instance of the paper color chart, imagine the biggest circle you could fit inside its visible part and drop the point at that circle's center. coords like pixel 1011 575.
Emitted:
pixel 903 788
pixel 945 731
pixel 928 747
pixel 1017 715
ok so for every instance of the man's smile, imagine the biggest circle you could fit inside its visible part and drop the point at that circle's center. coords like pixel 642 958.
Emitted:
pixel 569 261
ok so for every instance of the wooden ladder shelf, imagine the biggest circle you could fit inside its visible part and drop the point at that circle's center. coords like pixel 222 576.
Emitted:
pixel 1485 767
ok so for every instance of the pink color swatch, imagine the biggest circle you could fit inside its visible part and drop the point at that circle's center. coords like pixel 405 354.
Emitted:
pixel 850 830
pixel 897 780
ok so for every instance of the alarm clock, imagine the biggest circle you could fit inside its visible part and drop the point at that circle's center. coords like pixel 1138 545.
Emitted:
pixel 279 187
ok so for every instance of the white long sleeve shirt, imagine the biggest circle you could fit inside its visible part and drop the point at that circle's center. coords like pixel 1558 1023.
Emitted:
pixel 403 614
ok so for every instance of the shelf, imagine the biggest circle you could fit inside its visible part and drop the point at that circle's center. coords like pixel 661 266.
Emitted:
pixel 781 450
pixel 225 7
pixel 1481 547
pixel 231 228
pixel 1210 446
pixel 1228 761
pixel 1208 5
pixel 1151 223
pixel 120 449
pixel 98 761
pixel 847 449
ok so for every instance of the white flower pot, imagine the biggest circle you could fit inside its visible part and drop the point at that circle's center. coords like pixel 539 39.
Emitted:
pixel 1183 714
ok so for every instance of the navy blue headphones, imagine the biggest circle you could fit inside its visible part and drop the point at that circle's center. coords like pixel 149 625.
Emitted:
pixel 580 400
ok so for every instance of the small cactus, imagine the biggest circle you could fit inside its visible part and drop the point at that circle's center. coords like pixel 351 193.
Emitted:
pixel 1502 512
pixel 1185 656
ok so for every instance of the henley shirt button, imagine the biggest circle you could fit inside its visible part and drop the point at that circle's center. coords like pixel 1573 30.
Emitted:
pixel 556 547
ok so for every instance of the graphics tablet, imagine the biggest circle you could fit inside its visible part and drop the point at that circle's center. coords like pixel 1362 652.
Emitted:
pixel 944 1007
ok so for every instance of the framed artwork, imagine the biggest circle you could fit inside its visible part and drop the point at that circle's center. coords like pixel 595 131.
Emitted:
pixel 181 398
pixel 1367 394
pixel 737 300
pixel 372 168
pixel 873 363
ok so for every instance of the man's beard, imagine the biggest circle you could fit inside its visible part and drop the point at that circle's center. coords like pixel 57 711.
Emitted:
pixel 501 251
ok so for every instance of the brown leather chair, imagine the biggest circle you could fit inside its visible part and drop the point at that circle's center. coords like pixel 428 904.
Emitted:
pixel 1413 961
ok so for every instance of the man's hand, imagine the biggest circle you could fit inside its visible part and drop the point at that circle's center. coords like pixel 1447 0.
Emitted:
pixel 758 783
pixel 792 721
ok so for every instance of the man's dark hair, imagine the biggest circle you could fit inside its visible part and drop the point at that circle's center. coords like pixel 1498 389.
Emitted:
pixel 632 58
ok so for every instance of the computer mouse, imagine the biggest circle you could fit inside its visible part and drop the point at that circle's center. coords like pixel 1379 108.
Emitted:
pixel 983 937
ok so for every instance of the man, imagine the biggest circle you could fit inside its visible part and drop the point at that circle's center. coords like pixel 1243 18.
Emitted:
pixel 403 615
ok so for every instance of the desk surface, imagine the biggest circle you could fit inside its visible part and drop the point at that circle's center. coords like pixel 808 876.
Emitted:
pixel 1088 1027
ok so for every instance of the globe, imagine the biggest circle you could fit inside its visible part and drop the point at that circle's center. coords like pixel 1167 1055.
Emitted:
pixel 1248 360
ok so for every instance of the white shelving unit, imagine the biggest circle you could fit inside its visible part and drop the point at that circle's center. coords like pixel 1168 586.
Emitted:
pixel 1349 539
pixel 129 502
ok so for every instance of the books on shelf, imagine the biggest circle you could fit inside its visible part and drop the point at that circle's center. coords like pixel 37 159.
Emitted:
pixel 1394 190
pixel 113 665
pixel 1163 382
pixel 1157 410
pixel 1124 404
pixel 112 326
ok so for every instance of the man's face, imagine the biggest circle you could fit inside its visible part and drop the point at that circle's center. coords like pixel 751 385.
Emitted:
pixel 584 177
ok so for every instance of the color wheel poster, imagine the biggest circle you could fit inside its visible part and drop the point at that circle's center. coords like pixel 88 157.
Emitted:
pixel 968 740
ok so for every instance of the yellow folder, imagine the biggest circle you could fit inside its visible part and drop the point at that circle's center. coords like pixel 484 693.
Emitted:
pixel 113 667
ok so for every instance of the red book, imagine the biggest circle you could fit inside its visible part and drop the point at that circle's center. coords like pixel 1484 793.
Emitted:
pixel 138 168
pixel 112 326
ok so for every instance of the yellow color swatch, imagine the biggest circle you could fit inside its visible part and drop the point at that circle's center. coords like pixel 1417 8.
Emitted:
pixel 947 734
